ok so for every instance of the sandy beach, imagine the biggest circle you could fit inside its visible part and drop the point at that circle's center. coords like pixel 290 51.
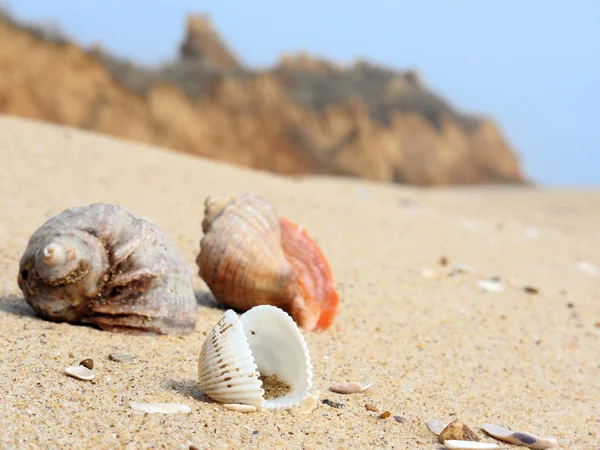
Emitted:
pixel 433 341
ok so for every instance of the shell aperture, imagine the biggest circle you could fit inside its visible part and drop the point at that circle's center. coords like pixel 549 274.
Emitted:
pixel 321 301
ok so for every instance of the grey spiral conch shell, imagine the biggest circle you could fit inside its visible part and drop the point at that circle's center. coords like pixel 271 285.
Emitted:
pixel 102 265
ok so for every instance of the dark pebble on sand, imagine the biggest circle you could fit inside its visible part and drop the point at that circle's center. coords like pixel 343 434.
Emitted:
pixel 531 290
pixel 333 404
pixel 88 363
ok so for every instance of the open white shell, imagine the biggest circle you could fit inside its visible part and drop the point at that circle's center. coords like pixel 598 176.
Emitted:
pixel 265 340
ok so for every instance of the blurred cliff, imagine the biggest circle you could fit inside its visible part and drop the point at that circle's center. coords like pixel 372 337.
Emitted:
pixel 303 116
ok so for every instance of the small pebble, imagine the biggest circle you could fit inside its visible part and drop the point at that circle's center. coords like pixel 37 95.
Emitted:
pixel 121 357
pixel 385 415
pixel 443 261
pixel 332 404
pixel 399 419
pixel 457 430
pixel 371 407
pixel 531 290
pixel 87 363
pixel 351 387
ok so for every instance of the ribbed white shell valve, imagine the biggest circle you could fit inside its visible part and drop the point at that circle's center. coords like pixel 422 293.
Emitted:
pixel 263 341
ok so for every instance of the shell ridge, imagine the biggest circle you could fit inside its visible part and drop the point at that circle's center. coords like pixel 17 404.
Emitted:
pixel 255 269
pixel 252 225
pixel 121 250
pixel 229 264
pixel 150 280
pixel 227 337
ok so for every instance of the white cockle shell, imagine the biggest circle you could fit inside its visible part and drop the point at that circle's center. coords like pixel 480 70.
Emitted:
pixel 264 340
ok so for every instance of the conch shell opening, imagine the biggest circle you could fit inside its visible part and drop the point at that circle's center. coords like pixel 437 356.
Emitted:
pixel 250 255
pixel 320 302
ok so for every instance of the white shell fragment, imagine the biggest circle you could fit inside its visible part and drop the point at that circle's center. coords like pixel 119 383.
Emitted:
pixel 532 232
pixel 519 437
pixel 239 408
pixel 461 268
pixel 264 341
pixel 308 404
pixel 80 372
pixel 164 408
pixel 429 274
pixel 468 445
pixel 436 426
pixel 351 387
pixel 588 268
pixel 491 285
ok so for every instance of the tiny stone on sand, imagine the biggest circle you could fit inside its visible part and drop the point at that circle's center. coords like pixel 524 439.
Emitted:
pixel 332 404
pixel 88 363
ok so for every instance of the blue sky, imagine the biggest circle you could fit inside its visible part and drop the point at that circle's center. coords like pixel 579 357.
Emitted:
pixel 533 65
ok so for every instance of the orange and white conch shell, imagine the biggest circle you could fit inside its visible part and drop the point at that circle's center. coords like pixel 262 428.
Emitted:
pixel 251 256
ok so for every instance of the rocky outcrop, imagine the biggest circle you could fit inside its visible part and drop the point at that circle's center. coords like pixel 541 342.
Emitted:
pixel 203 42
pixel 303 116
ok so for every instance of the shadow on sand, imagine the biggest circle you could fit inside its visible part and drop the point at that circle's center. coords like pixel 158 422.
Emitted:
pixel 205 298
pixel 189 388
pixel 16 306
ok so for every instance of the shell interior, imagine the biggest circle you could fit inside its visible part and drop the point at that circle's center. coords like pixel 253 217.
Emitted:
pixel 264 341
pixel 279 349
